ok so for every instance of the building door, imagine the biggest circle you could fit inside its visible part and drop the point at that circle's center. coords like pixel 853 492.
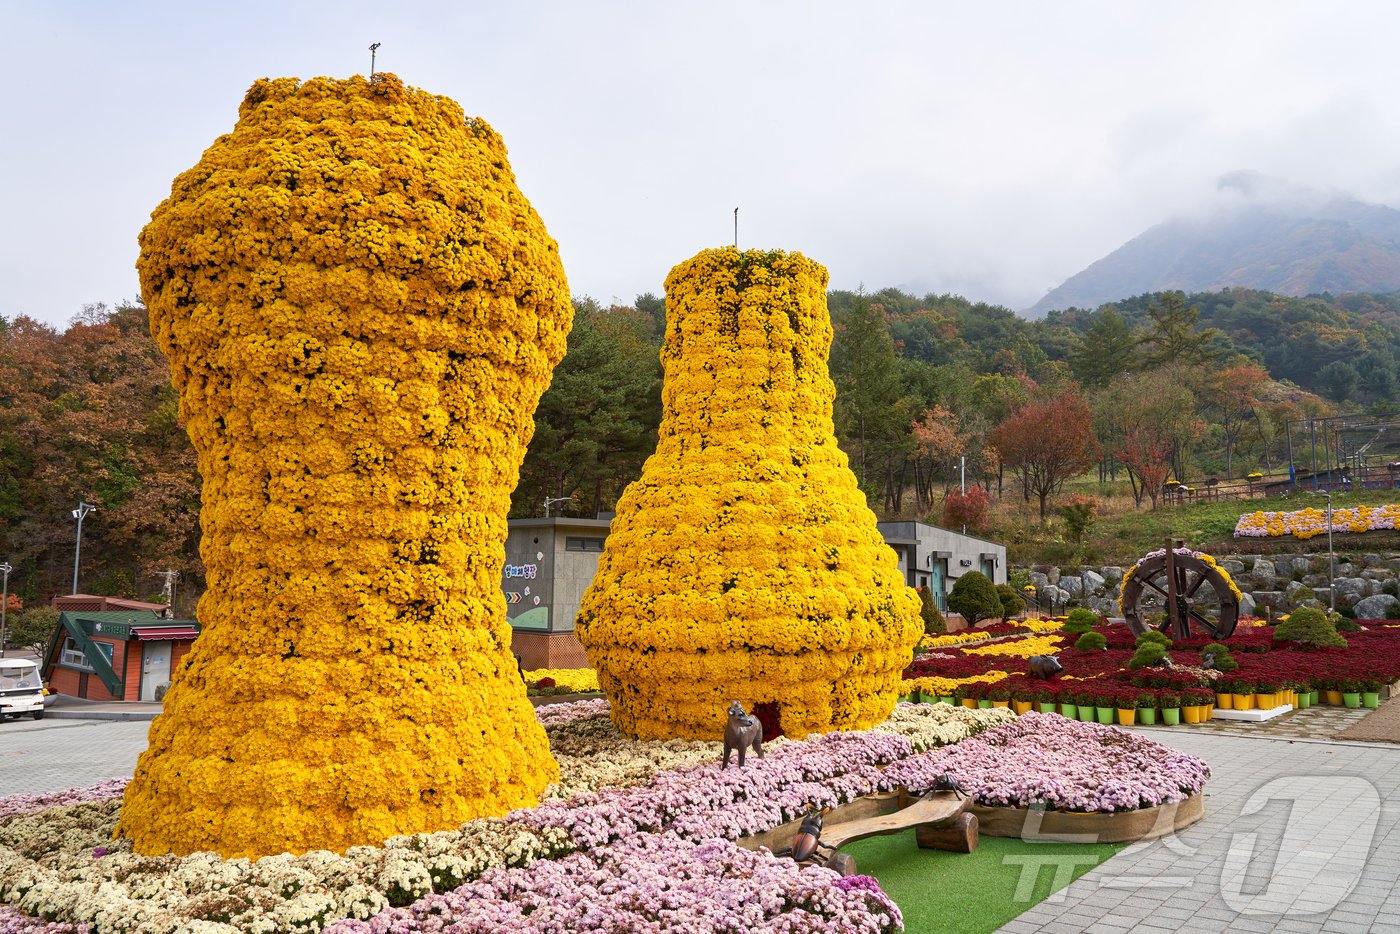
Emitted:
pixel 989 569
pixel 938 585
pixel 155 668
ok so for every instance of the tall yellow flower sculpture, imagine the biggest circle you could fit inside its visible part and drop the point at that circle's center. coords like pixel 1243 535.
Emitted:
pixel 744 563
pixel 361 311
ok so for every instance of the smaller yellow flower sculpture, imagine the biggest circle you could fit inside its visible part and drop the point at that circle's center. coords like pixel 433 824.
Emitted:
pixel 744 564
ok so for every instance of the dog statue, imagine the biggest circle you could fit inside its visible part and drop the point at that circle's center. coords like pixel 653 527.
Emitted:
pixel 1045 666
pixel 742 731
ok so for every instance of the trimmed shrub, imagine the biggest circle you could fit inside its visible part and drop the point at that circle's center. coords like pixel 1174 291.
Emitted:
pixel 1091 642
pixel 975 598
pixel 1080 621
pixel 1011 602
pixel 934 623
pixel 1310 627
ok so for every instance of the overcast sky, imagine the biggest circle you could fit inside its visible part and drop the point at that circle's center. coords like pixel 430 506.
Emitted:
pixel 990 150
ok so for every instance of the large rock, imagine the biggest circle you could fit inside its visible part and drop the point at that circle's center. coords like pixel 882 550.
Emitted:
pixel 1267 597
pixel 1344 569
pixel 1378 574
pixel 1112 574
pixel 1380 606
pixel 1247 607
pixel 1052 597
pixel 1093 581
pixel 1293 590
pixel 1233 566
pixel 1074 586
pixel 1263 571
pixel 1038 580
pixel 1371 561
pixel 1298 564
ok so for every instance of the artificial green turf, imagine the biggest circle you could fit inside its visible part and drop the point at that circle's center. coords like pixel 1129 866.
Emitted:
pixel 971 893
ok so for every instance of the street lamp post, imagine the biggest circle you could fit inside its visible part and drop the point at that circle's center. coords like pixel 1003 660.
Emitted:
pixel 551 500
pixel 80 514
pixel 4 605
pixel 1331 555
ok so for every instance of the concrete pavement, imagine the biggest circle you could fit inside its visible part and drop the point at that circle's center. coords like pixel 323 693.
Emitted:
pixel 1298 836
pixel 38 756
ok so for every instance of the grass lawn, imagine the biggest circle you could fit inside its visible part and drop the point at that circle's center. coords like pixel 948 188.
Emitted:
pixel 971 893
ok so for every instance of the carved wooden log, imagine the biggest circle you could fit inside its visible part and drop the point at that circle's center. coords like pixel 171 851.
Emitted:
pixel 958 835
pixel 843 863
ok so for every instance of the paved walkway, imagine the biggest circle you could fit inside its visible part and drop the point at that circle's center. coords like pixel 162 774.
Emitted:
pixel 38 756
pixel 1298 836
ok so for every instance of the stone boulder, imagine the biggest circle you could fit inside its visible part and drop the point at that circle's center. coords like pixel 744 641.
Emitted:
pixel 1380 606
pixel 1233 566
pixel 1074 586
pixel 1093 581
pixel 1263 572
pixel 1291 593
pixel 1266 598
pixel 1112 574
pixel 1247 607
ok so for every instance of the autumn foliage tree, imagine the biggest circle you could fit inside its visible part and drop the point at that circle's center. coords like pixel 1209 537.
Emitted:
pixel 1046 443
pixel 967 510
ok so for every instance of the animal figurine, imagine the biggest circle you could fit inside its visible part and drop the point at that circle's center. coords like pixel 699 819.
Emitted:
pixel 1208 660
pixel 1045 666
pixel 804 845
pixel 946 782
pixel 741 732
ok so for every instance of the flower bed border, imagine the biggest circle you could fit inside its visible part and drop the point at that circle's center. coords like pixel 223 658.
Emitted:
pixel 1118 827
pixel 1061 826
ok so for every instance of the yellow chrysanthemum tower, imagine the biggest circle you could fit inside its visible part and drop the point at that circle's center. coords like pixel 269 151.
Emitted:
pixel 744 564
pixel 361 311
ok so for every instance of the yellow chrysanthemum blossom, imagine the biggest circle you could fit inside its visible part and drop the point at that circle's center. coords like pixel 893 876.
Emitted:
pixel 361 311
pixel 1020 648
pixel 575 679
pixel 944 687
pixel 744 563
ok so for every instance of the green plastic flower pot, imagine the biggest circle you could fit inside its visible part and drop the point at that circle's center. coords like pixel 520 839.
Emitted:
pixel 984 703
pixel 1171 716
pixel 1147 716
pixel 1046 708
pixel 1304 701
pixel 946 699
pixel 1086 713
pixel 1370 699
pixel 1070 711
pixel 1105 715
pixel 1352 700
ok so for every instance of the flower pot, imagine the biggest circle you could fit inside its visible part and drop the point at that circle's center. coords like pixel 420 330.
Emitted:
pixel 1265 701
pixel 984 704
pixel 1314 698
pixel 1104 715
pixel 1351 699
pixel 1070 711
pixel 947 699
pixel 1332 697
pixel 969 702
pixel 1046 708
pixel 1021 706
pixel 1371 699
pixel 1127 716
pixel 1001 703
pixel 1191 714
pixel 1171 716
pixel 1304 701
pixel 1147 716
pixel 1224 701
pixel 1243 701
pixel 1209 713
pixel 1086 713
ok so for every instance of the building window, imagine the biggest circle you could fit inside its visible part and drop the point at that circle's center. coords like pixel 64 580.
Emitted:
pixel 73 655
pixel 576 543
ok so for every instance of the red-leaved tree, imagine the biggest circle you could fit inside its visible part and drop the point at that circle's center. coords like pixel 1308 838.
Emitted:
pixel 967 510
pixel 1048 442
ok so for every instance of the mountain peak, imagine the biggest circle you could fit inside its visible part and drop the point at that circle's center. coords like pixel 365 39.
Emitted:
pixel 1262 233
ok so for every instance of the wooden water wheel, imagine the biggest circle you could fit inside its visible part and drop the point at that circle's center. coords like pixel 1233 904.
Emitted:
pixel 1176 592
